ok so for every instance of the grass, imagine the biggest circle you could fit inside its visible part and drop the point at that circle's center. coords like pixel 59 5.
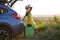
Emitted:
pixel 48 29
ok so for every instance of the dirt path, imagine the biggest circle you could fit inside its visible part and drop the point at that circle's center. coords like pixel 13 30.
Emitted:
pixel 21 37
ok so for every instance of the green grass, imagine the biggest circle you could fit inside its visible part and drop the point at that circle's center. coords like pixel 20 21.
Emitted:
pixel 49 30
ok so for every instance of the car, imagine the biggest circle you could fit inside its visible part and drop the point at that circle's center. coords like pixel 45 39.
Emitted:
pixel 10 24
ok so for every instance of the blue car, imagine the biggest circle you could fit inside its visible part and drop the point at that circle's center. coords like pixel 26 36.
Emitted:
pixel 10 24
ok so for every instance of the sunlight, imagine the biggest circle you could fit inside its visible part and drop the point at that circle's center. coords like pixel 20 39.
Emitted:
pixel 40 7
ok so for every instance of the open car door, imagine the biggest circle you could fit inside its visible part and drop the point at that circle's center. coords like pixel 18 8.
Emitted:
pixel 12 2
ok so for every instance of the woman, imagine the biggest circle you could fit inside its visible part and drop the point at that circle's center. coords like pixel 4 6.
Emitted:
pixel 28 16
pixel 29 19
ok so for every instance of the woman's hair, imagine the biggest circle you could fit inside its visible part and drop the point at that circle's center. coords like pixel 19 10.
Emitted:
pixel 28 7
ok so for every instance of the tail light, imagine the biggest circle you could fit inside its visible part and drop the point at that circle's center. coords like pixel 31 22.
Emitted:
pixel 16 16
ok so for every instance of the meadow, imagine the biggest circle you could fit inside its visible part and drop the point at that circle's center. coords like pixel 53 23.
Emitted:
pixel 49 28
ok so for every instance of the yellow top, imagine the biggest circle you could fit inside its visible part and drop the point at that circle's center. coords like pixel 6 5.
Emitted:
pixel 30 20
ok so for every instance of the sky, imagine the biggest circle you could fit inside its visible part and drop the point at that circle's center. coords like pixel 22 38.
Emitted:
pixel 40 7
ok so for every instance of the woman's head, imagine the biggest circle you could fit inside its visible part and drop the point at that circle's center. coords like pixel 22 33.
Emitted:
pixel 28 8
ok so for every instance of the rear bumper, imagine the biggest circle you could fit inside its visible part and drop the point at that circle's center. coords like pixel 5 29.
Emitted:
pixel 16 26
pixel 18 29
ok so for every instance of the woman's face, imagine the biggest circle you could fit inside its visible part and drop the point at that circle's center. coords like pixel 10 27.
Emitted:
pixel 28 9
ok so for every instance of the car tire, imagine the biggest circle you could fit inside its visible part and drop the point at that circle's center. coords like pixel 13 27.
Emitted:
pixel 5 33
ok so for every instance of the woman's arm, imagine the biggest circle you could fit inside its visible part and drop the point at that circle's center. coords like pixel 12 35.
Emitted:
pixel 28 10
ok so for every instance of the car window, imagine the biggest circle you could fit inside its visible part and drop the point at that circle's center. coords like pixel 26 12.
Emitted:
pixel 3 10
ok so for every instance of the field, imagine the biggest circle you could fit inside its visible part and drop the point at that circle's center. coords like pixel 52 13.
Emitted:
pixel 48 28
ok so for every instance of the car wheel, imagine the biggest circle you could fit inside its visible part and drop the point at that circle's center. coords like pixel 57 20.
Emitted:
pixel 5 33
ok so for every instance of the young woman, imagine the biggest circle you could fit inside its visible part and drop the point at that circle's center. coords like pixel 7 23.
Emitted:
pixel 29 18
